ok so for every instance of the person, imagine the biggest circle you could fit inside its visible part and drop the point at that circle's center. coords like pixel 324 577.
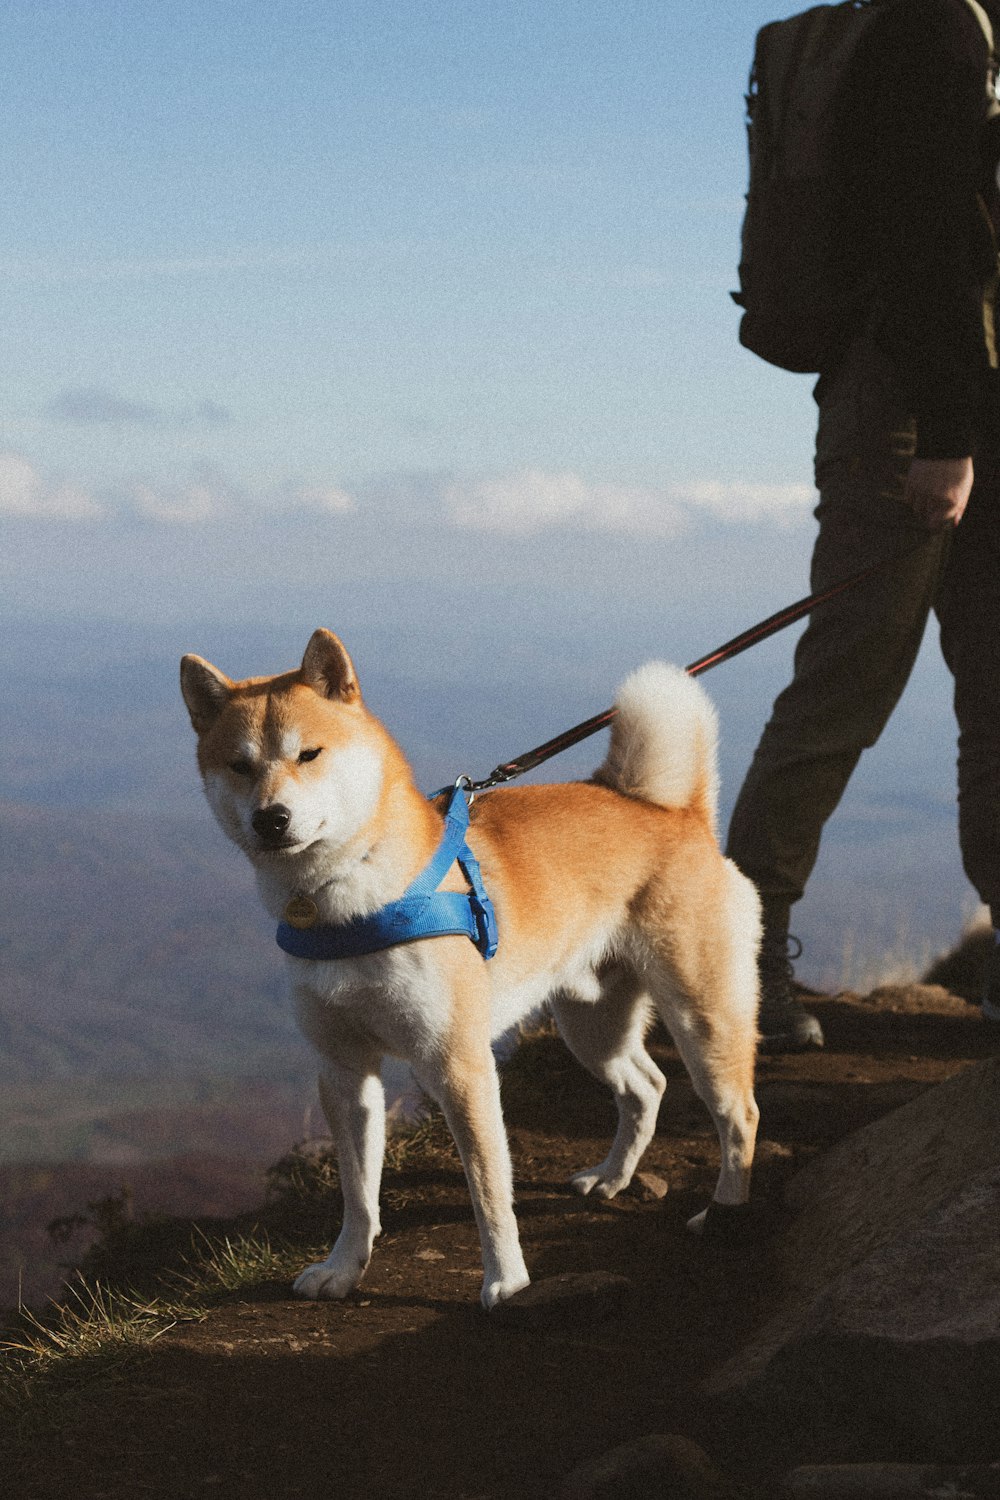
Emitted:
pixel 907 468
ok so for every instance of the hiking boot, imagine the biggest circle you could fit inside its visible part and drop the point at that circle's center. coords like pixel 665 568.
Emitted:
pixel 991 984
pixel 784 1023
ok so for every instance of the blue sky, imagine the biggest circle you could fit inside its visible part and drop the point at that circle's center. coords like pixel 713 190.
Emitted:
pixel 411 319
pixel 286 247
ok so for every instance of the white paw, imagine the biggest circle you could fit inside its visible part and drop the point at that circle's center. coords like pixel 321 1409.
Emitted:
pixel 697 1224
pixel 499 1290
pixel 599 1181
pixel 328 1280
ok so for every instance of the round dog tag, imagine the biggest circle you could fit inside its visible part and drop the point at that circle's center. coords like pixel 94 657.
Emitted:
pixel 301 912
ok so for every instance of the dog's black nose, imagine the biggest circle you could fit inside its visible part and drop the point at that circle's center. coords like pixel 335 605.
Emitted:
pixel 270 822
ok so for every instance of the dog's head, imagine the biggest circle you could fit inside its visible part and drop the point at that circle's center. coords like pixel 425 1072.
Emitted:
pixel 287 761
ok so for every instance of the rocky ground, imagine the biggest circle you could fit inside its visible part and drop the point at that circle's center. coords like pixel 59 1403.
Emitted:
pixel 410 1390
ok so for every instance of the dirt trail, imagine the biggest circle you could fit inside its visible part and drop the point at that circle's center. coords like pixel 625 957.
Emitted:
pixel 409 1390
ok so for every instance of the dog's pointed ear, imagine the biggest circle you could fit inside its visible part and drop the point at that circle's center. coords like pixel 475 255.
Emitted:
pixel 205 690
pixel 328 670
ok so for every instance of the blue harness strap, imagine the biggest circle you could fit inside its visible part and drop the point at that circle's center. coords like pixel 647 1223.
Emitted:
pixel 421 912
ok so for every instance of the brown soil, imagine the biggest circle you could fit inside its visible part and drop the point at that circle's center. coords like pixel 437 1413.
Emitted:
pixel 410 1390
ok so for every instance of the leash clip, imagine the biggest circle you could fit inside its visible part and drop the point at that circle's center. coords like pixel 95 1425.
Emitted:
pixel 468 786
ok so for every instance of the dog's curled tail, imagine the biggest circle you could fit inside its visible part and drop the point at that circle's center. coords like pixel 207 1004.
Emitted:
pixel 664 740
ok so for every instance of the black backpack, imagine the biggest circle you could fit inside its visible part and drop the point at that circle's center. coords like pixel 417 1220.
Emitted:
pixel 794 291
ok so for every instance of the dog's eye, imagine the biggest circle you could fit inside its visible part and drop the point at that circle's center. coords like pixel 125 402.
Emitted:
pixel 241 767
pixel 308 755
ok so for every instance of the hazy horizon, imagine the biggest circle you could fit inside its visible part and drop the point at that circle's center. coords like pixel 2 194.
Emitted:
pixel 471 653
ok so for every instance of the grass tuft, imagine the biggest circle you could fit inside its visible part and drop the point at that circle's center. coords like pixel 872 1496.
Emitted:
pixel 95 1331
pixel 424 1142
pixel 226 1264
pixel 87 1338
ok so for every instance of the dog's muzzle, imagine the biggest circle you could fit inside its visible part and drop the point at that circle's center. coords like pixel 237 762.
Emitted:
pixel 270 824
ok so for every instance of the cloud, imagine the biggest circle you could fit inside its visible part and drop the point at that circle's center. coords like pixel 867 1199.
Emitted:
pixel 96 406
pixel 742 501
pixel 208 496
pixel 312 498
pixel 23 492
pixel 185 504
pixel 213 414
pixel 524 503
pixel 533 500
pixel 326 498
pixel 205 495
pixel 89 404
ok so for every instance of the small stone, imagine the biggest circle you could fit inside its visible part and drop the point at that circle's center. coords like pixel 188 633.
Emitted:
pixel 428 1255
pixel 570 1298
pixel 649 1187
pixel 657 1467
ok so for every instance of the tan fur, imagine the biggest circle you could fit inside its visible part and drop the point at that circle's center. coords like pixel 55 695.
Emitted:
pixel 609 903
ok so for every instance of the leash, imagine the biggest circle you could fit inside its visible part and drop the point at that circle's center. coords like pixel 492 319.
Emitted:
pixel 423 911
pixel 508 770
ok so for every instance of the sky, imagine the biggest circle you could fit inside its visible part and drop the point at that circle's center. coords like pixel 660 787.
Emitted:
pixel 406 317
pixel 277 250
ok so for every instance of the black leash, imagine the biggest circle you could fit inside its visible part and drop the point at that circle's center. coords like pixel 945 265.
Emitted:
pixel 509 769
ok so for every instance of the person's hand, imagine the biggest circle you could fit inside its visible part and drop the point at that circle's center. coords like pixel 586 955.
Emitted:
pixel 938 489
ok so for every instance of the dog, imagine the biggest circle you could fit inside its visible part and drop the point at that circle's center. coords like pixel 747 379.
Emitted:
pixel 613 903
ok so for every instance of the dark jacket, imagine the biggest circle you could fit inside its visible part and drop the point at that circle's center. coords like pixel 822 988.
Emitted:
pixel 919 164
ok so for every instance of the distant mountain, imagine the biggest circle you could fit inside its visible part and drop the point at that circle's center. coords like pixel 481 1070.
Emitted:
pixel 133 944
pixel 33 1261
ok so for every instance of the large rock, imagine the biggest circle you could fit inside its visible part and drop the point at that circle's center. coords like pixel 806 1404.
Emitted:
pixel 894 1482
pixel 890 1331
pixel 570 1299
pixel 657 1467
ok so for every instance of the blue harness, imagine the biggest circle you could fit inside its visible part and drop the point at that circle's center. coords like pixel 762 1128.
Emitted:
pixel 421 912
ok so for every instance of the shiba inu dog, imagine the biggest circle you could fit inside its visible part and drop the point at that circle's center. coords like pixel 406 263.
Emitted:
pixel 613 903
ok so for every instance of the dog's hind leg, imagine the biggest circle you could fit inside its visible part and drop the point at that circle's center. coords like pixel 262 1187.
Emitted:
pixel 707 995
pixel 607 1037
pixel 353 1101
pixel 721 1067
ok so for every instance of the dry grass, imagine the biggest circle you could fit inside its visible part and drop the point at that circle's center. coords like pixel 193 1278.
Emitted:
pixel 95 1333
pixel 89 1338
pixel 97 1328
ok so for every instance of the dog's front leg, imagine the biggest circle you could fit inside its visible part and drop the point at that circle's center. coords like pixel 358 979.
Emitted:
pixel 465 1084
pixel 354 1104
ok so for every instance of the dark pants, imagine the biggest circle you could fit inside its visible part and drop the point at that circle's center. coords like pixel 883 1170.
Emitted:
pixel 856 654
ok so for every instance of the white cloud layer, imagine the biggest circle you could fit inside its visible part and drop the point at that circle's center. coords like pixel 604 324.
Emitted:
pixel 536 501
pixel 24 492
pixel 184 505
pixel 532 501
pixel 524 503
pixel 741 501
